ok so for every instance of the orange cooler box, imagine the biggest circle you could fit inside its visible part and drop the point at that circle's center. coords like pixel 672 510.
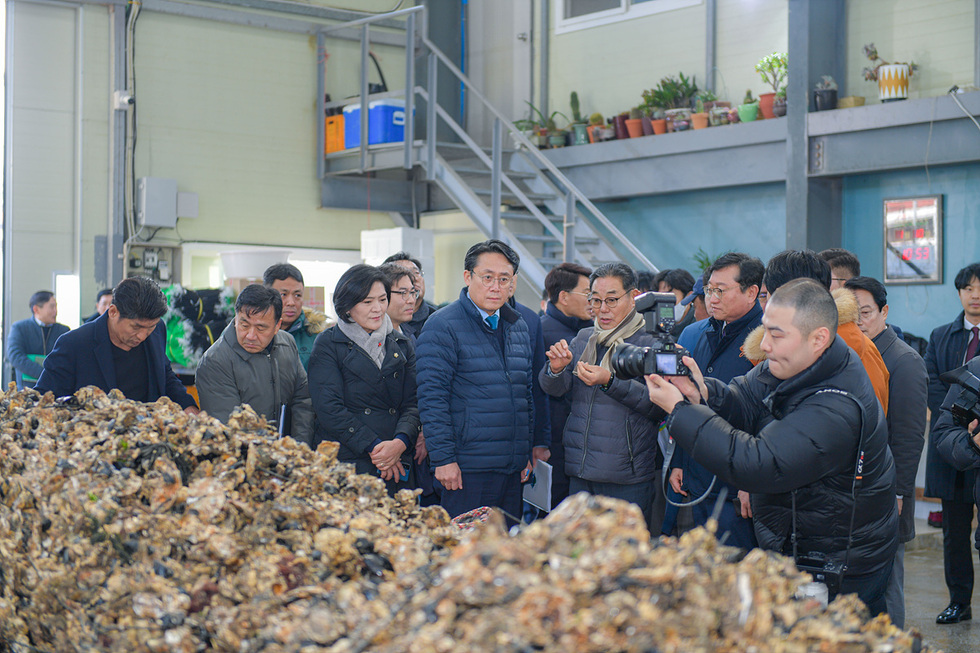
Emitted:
pixel 334 133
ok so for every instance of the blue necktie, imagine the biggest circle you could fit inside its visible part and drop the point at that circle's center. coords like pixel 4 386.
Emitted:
pixel 492 320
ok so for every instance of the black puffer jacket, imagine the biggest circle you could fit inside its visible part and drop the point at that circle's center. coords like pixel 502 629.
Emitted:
pixel 610 437
pixel 802 434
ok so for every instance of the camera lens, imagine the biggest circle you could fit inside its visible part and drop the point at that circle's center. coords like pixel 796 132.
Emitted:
pixel 627 361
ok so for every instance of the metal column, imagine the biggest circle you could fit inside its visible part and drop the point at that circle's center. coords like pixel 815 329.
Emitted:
pixel 497 160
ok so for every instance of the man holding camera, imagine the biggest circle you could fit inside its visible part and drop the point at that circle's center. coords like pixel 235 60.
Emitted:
pixel 804 434
pixel 611 432
pixel 732 291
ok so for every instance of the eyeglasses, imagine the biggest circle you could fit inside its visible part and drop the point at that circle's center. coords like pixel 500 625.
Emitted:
pixel 413 292
pixel 583 294
pixel 763 296
pixel 716 292
pixel 610 302
pixel 489 280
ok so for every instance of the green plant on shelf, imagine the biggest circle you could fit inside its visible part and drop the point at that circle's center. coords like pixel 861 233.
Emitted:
pixel 772 68
pixel 871 72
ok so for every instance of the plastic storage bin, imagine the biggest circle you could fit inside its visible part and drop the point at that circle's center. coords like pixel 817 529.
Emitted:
pixel 334 134
pixel 386 122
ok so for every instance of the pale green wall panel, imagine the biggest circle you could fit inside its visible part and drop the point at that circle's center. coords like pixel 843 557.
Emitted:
pixel 228 111
pixel 747 31
pixel 936 34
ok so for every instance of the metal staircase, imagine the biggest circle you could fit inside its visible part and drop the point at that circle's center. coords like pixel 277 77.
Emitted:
pixel 513 193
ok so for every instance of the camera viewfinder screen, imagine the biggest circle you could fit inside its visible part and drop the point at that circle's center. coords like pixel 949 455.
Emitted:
pixel 666 312
pixel 667 363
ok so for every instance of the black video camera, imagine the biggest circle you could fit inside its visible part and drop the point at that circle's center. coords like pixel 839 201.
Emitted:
pixel 664 357
pixel 966 406
pixel 823 569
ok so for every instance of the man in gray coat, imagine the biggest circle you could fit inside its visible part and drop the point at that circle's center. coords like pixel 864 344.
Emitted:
pixel 255 363
pixel 908 387
pixel 611 433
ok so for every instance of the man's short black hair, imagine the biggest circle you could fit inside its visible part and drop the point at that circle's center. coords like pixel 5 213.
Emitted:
pixel 814 305
pixel 965 276
pixel 677 279
pixel 795 264
pixel 139 298
pixel 492 246
pixel 354 286
pixel 395 273
pixel 621 271
pixel 40 298
pixel 646 280
pixel 750 269
pixel 102 293
pixel 841 258
pixel 403 256
pixel 872 286
pixel 256 299
pixel 279 272
pixel 563 277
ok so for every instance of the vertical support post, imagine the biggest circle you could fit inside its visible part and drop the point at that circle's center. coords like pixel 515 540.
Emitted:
pixel 321 113
pixel 365 48
pixel 711 37
pixel 568 247
pixel 497 161
pixel 430 120
pixel 976 43
pixel 409 92
pixel 545 46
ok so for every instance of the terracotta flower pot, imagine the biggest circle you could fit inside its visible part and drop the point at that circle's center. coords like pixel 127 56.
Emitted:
pixel 634 126
pixel 593 131
pixel 659 126
pixel 699 120
pixel 765 106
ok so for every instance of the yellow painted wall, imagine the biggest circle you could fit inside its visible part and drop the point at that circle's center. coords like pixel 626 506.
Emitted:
pixel 611 65
pixel 936 34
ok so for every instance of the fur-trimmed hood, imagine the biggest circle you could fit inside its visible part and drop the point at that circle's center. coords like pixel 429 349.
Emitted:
pixel 847 312
pixel 316 322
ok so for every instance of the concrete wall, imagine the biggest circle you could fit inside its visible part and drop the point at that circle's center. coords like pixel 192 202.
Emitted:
pixel 916 309
pixel 936 34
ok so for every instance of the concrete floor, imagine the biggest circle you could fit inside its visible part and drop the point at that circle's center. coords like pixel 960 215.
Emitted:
pixel 926 595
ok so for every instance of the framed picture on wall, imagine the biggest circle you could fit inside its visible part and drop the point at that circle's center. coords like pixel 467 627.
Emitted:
pixel 914 239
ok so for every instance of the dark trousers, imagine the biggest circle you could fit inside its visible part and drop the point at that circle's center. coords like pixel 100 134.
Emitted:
pixel 559 479
pixel 740 531
pixel 503 491
pixel 639 493
pixel 870 588
pixel 958 550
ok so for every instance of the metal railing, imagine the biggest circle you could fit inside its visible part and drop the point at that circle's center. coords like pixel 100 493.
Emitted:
pixel 416 33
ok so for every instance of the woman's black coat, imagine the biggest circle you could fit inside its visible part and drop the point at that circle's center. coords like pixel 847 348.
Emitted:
pixel 356 403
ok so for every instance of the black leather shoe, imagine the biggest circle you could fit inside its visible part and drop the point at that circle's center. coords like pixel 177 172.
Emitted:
pixel 954 613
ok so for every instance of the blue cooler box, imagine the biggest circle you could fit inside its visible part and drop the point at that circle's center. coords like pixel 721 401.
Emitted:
pixel 386 123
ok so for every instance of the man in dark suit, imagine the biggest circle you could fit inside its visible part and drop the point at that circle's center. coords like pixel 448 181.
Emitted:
pixel 950 346
pixel 32 339
pixel 125 348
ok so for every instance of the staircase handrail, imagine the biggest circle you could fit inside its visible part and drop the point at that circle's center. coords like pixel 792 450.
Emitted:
pixel 536 154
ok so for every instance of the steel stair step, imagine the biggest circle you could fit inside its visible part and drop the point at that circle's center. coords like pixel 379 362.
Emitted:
pixel 534 197
pixel 583 240
pixel 513 174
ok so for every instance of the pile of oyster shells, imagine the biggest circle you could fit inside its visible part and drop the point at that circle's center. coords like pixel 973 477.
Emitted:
pixel 137 527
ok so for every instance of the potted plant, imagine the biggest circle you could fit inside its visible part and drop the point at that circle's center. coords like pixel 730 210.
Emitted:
pixel 772 68
pixel 674 95
pixel 779 103
pixel 543 127
pixel 595 124
pixel 749 109
pixel 825 94
pixel 699 119
pixel 634 124
pixel 578 126
pixel 892 78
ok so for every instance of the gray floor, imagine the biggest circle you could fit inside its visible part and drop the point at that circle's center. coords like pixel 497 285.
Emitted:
pixel 926 595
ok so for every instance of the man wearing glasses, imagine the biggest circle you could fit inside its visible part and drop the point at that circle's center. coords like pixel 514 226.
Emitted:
pixel 731 293
pixel 423 309
pixel 611 433
pixel 474 389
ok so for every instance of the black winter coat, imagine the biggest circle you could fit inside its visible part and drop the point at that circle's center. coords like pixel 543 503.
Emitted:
pixel 356 403
pixel 907 390
pixel 954 442
pixel 611 436
pixel 947 347
pixel 782 436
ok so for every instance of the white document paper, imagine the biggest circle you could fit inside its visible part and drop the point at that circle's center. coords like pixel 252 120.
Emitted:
pixel 538 492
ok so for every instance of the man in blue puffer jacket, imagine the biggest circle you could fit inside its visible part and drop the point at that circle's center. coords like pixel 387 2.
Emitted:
pixel 474 389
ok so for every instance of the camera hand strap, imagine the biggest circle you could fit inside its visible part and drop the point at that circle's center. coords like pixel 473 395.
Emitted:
pixel 855 484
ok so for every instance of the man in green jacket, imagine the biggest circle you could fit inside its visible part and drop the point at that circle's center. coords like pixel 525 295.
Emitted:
pixel 303 324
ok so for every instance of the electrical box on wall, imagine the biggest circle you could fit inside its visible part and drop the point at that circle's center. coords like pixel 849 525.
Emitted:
pixel 158 262
pixel 156 202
